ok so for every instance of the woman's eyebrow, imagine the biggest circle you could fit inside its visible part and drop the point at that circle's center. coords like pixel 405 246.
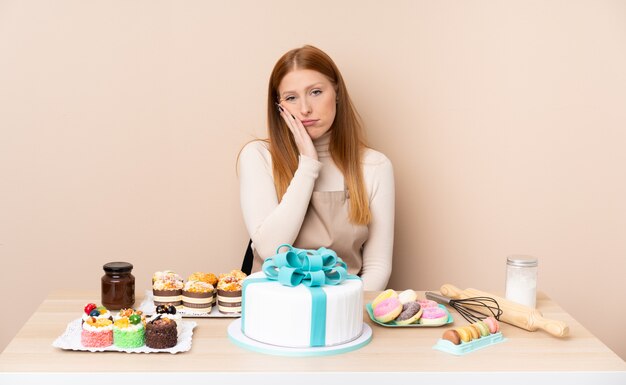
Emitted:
pixel 318 84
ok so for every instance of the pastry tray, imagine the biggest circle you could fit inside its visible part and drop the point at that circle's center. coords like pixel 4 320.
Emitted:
pixel 148 308
pixel 468 347
pixel 393 324
pixel 70 340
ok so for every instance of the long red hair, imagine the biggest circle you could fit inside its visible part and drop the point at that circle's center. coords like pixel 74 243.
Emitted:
pixel 346 141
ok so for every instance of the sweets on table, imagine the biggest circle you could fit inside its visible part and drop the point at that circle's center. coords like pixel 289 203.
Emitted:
pixel 167 288
pixel 129 332
pixel 209 278
pixel 406 309
pixel 96 332
pixel 161 333
pixel 229 292
pixel 169 312
pixel 468 333
pixel 198 296
pixel 99 312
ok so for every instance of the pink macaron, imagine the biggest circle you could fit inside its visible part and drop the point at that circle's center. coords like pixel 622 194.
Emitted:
pixel 492 324
pixel 387 310
pixel 426 303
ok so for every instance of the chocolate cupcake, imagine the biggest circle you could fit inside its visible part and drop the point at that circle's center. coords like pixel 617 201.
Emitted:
pixel 161 333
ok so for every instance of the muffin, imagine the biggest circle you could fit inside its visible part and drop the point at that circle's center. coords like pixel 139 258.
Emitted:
pixel 167 288
pixel 229 292
pixel 97 332
pixel 209 278
pixel 198 296
pixel 161 333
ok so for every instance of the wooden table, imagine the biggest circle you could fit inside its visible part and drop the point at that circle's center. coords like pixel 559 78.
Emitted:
pixel 393 356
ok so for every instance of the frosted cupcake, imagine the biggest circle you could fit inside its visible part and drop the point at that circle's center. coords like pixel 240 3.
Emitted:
pixel 97 332
pixel 129 332
pixel 198 296
pixel 169 312
pixel 167 288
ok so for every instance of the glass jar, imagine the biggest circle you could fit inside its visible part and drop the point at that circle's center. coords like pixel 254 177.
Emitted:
pixel 118 286
pixel 521 279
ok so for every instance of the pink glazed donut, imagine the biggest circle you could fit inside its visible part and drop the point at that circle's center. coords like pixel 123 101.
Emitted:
pixel 434 316
pixel 426 303
pixel 387 310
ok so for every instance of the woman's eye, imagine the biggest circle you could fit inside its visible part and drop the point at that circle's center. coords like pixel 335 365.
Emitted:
pixel 290 99
pixel 316 92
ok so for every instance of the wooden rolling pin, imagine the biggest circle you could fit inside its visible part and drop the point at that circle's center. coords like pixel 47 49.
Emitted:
pixel 512 313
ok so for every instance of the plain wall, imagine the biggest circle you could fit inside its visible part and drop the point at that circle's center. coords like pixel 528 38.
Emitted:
pixel 120 124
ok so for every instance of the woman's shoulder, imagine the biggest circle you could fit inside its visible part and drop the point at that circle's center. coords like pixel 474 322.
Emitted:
pixel 374 158
pixel 255 149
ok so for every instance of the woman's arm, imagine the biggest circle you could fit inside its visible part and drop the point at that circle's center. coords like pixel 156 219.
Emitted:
pixel 269 222
pixel 378 249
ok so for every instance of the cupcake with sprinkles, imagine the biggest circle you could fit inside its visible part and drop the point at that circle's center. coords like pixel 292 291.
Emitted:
pixel 229 292
pixel 129 332
pixel 96 332
pixel 198 296
pixel 209 278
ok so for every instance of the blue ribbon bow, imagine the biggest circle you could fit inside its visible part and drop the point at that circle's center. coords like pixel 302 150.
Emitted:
pixel 311 268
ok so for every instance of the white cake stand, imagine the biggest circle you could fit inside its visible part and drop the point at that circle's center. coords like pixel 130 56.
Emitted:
pixel 240 339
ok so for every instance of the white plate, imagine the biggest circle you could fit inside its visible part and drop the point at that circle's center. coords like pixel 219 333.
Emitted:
pixel 148 308
pixel 70 340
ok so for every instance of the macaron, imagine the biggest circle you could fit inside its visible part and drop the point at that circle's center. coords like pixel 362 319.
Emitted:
pixel 407 296
pixel 464 334
pixel 433 316
pixel 473 331
pixel 387 310
pixel 482 328
pixel 452 336
pixel 411 312
pixel 389 293
pixel 492 324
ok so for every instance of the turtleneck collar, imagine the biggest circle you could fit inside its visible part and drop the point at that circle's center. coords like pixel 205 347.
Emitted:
pixel 322 144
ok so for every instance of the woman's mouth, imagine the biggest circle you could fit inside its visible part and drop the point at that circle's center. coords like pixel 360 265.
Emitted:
pixel 309 122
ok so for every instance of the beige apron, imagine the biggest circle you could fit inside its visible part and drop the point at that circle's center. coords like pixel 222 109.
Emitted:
pixel 326 224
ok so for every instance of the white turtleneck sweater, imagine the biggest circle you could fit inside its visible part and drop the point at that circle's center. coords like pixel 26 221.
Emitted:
pixel 271 223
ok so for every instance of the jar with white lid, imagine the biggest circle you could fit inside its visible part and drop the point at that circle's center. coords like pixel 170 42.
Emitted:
pixel 521 279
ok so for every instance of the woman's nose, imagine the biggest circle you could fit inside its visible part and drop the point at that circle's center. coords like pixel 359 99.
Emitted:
pixel 305 107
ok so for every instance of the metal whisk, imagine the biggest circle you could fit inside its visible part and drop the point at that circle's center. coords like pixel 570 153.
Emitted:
pixel 468 307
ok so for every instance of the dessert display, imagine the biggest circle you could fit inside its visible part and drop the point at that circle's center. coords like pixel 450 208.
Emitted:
pixel 198 296
pixel 465 339
pixel 97 332
pixel 391 308
pixel 129 332
pixel 161 333
pixel 229 292
pixel 169 312
pixel 167 288
pixel 287 305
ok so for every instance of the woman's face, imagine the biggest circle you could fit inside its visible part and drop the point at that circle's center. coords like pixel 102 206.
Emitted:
pixel 309 96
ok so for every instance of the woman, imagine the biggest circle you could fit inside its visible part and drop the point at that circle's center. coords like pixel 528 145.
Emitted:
pixel 314 182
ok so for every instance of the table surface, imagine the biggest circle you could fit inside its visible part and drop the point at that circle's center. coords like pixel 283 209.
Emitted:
pixel 399 350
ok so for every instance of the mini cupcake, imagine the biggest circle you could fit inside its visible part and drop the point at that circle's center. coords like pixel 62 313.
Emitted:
pixel 209 278
pixel 229 292
pixel 98 312
pixel 167 288
pixel 126 313
pixel 97 332
pixel 161 333
pixel 129 332
pixel 198 296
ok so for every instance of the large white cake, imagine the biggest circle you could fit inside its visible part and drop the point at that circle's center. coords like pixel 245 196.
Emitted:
pixel 282 315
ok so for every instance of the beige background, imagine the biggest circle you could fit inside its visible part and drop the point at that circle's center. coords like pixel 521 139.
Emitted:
pixel 120 123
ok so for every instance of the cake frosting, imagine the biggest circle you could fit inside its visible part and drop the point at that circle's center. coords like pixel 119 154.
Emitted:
pixel 283 315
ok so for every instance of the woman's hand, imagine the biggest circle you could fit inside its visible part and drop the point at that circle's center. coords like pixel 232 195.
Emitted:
pixel 301 137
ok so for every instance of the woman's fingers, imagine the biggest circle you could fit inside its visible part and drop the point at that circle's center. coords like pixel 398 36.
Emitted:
pixel 300 135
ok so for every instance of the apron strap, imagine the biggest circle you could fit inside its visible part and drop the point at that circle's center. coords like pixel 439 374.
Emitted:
pixel 246 265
